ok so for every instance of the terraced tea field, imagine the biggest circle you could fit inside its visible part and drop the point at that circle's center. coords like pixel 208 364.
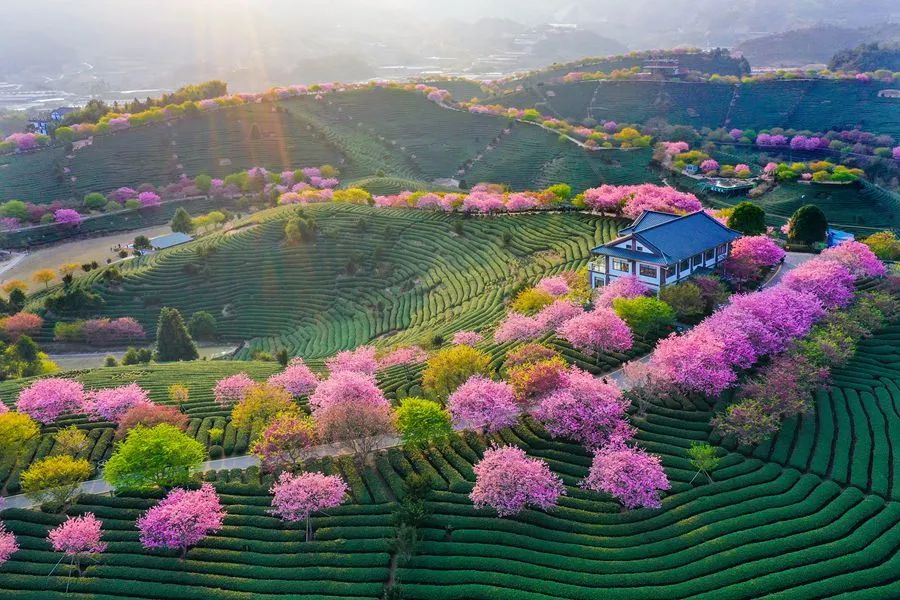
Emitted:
pixel 203 411
pixel 817 105
pixel 387 275
pixel 763 528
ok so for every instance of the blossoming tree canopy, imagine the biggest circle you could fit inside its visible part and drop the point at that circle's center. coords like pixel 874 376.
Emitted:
pixel 8 544
pixel 829 281
pixel 182 519
pixel 509 481
pixel 600 330
pixel 111 404
pixel 483 404
pixel 632 200
pixel 46 400
pixel 78 537
pixel 232 389
pixel 586 410
pixel 296 497
pixel 759 250
pixel 632 476
pixel 857 257
pixel 466 338
pixel 346 387
pixel 297 378
pixel 360 360
pixel 621 287
pixel 404 355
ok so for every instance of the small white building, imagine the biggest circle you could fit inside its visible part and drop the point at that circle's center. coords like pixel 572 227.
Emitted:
pixel 662 249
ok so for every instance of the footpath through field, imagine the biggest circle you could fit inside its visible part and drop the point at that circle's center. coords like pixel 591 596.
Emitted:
pixel 99 486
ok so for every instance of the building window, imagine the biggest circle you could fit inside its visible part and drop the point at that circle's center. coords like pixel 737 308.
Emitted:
pixel 669 272
pixel 710 254
pixel 640 248
pixel 620 265
pixel 648 271
pixel 721 250
pixel 697 260
pixel 684 266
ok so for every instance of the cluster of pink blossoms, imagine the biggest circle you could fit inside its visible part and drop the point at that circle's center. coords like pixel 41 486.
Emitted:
pixel 621 287
pixel 600 330
pixel 483 404
pixel 359 360
pixel 46 400
pixel 586 410
pixel 232 389
pixel 297 378
pixel 182 519
pixel 632 200
pixel 346 388
pixel 557 285
pixel 482 199
pixel 759 250
pixel 509 481
pixel 857 258
pixel 405 355
pixel 78 535
pixel 630 475
pixel 111 404
pixel 519 327
pixel 466 338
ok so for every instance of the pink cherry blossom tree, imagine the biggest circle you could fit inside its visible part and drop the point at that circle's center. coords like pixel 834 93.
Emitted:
pixel 758 250
pixel 586 410
pixel 111 404
pixel 346 387
pixel 632 476
pixel 46 399
pixel 828 280
pixel 405 355
pixel 232 389
pixel 555 286
pixel 8 544
pixel 297 378
pixel 359 360
pixel 483 404
pixel 466 338
pixel 283 443
pixel 296 497
pixel 509 481
pixel 857 257
pixel 78 538
pixel 622 287
pixel 182 519
pixel 519 328
pixel 67 217
pixel 596 332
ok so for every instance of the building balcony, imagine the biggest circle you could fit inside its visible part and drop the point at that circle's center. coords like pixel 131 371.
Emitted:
pixel 597 267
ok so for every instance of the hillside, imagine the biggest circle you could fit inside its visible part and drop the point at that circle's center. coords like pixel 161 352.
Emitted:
pixel 803 104
pixel 793 519
pixel 364 133
pixel 372 274
pixel 810 45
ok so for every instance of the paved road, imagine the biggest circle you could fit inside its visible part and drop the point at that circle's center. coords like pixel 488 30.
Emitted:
pixel 99 486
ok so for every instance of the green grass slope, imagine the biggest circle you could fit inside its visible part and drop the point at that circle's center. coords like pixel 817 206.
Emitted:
pixel 371 273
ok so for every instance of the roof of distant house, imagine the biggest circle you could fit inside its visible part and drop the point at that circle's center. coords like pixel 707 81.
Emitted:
pixel 669 237
pixel 161 242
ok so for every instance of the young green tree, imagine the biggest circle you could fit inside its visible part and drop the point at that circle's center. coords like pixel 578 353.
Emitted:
pixel 159 456
pixel 646 316
pixel 173 342
pixel 703 458
pixel 809 225
pixel 422 422
pixel 94 201
pixel 181 221
pixel 71 441
pixel 685 299
pixel 203 183
pixel 748 218
pixel 202 326
pixel 53 481
pixel 142 242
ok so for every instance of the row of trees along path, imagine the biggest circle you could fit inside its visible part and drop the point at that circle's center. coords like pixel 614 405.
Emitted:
pixel 100 486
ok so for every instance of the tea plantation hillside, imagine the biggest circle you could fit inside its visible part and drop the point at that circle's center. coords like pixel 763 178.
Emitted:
pixel 364 133
pixel 798 519
pixel 216 143
pixel 369 274
pixel 806 104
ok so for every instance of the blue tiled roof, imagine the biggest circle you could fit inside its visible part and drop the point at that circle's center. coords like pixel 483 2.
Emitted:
pixel 170 239
pixel 649 218
pixel 674 238
pixel 629 255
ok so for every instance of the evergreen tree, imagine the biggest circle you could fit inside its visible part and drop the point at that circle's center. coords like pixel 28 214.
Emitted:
pixel 748 218
pixel 173 342
pixel 809 225
pixel 181 221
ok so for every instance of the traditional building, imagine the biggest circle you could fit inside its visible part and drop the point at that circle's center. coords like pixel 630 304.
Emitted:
pixel 661 249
